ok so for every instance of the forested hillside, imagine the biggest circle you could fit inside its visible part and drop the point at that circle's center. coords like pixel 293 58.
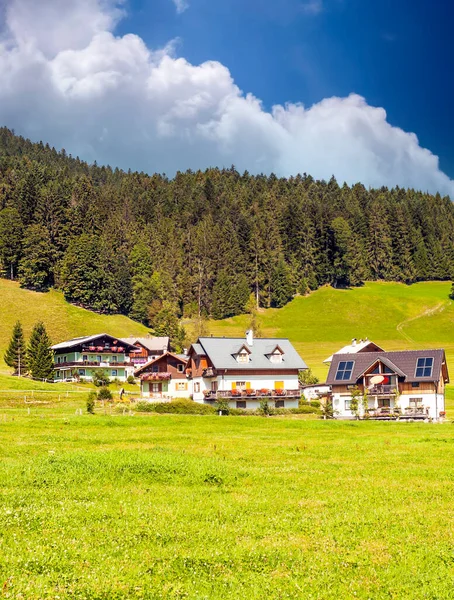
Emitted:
pixel 156 248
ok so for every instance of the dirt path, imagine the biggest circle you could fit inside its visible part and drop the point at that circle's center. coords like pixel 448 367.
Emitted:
pixel 425 313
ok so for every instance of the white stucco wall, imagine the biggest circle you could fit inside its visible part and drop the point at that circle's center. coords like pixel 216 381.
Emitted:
pixel 434 402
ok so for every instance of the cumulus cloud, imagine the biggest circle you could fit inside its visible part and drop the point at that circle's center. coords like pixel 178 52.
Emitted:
pixel 181 5
pixel 114 100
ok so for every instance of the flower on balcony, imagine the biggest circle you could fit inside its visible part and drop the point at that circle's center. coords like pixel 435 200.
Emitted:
pixel 236 393
pixel 264 392
pixel 279 392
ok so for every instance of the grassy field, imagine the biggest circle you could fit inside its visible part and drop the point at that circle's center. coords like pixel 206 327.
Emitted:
pixel 63 321
pixel 169 507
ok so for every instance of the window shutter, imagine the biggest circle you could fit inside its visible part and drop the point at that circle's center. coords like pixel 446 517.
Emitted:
pixel 278 385
pixel 233 385
pixel 248 385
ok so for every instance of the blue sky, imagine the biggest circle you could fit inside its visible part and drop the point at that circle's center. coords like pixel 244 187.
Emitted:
pixel 397 54
pixel 326 87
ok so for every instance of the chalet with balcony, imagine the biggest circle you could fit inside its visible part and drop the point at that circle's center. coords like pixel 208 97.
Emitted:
pixel 407 384
pixel 81 357
pixel 164 377
pixel 243 371
pixel 147 348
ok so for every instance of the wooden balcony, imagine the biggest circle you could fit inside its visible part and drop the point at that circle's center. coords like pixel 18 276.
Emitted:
pixel 251 394
pixel 163 376
pixel 87 364
pixel 382 390
pixel 209 372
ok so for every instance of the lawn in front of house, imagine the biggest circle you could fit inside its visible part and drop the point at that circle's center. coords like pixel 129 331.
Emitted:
pixel 112 506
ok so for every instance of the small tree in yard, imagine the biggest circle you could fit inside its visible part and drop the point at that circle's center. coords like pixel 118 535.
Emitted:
pixel 91 403
pixel 39 353
pixel 100 378
pixel 306 377
pixel 15 355
pixel 265 409
pixel 105 394
pixel 222 406
pixel 356 401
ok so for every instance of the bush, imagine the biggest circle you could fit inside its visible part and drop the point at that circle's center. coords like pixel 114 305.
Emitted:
pixel 91 403
pixel 100 378
pixel 105 394
pixel 180 407
pixel 265 408
pixel 223 406
pixel 131 380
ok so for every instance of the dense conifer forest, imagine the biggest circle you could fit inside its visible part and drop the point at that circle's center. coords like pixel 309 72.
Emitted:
pixel 204 243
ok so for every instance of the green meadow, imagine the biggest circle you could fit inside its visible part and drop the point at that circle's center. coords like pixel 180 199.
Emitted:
pixel 169 507
pixel 114 506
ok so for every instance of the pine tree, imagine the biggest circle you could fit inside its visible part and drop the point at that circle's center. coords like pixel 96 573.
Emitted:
pixel 11 232
pixel 281 287
pixel 15 355
pixel 35 267
pixel 39 353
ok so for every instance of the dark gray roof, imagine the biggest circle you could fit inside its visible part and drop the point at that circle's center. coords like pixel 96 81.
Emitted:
pixel 222 351
pixel 78 341
pixel 403 363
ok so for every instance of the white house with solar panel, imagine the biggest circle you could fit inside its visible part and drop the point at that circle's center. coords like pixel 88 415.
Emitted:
pixel 404 385
pixel 243 371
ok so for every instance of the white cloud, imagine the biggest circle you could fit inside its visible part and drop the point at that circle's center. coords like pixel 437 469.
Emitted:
pixel 181 5
pixel 115 100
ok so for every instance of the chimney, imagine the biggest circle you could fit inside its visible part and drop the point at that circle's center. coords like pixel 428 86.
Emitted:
pixel 354 342
pixel 185 351
pixel 250 337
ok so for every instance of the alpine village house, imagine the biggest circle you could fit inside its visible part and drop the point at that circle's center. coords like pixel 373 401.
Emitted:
pixel 81 357
pixel 409 383
pixel 242 371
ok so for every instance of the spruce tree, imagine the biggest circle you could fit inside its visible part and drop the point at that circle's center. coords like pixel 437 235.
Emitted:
pixel 15 355
pixel 40 354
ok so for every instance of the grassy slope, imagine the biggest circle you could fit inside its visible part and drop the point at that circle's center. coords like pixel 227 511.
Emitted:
pixel 223 508
pixel 63 321
pixel 394 315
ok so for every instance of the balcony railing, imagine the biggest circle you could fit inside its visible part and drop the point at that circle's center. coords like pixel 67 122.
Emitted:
pixel 156 376
pixel 235 394
pixel 87 363
pixel 378 390
pixel 209 372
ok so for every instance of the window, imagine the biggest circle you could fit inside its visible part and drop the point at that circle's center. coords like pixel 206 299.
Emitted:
pixel 387 369
pixel 155 388
pixel 180 368
pixel 155 369
pixel 384 402
pixel 98 358
pixel 415 384
pixel 424 367
pixel 113 358
pixel 182 386
pixel 85 358
pixel 376 370
pixel 214 386
pixel 114 372
pixel 347 404
pixel 276 357
pixel 241 403
pixel 243 357
pixel 279 404
pixel 344 370
pixel 82 372
pixel 196 387
pixel 239 385
pixel 414 402
pixel 58 359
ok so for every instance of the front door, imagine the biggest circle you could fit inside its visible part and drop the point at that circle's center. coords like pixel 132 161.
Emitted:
pixel 156 388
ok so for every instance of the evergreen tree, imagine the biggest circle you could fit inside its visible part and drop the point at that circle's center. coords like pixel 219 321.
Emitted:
pixel 281 287
pixel 35 267
pixel 15 355
pixel 39 353
pixel 11 232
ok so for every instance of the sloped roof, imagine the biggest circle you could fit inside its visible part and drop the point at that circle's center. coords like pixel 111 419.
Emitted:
pixel 77 341
pixel 180 357
pixel 222 351
pixel 403 363
pixel 150 343
pixel 355 347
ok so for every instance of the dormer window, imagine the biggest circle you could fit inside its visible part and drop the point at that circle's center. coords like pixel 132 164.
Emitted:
pixel 276 357
pixel 243 357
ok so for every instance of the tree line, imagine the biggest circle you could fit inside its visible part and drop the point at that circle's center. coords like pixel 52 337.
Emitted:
pixel 34 358
pixel 203 243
